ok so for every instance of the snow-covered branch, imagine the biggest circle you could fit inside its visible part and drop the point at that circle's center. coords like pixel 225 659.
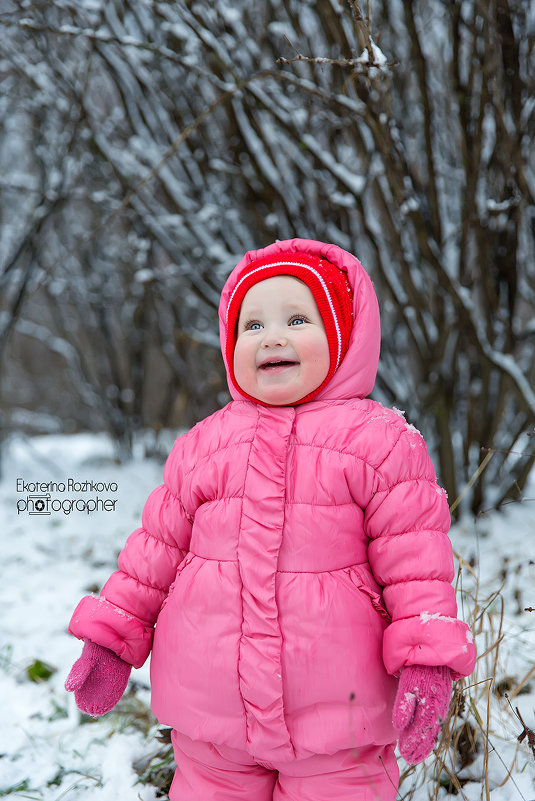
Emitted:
pixel 163 140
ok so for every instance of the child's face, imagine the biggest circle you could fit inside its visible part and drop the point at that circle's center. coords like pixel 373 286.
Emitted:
pixel 281 352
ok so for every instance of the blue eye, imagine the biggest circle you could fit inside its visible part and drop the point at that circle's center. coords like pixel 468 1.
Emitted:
pixel 297 320
pixel 252 326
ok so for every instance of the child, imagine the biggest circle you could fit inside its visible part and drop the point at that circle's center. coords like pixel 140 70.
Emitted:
pixel 295 561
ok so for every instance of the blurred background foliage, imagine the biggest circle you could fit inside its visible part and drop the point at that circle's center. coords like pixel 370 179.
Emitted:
pixel 145 146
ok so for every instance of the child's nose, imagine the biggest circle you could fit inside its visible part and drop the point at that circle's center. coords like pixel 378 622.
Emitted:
pixel 274 335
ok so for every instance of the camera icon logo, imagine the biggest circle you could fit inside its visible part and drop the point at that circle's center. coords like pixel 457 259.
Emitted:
pixel 39 504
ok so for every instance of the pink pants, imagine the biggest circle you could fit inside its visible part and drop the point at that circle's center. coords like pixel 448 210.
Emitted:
pixel 207 772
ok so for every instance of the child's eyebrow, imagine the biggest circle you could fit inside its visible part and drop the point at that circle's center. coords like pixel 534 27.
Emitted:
pixel 246 315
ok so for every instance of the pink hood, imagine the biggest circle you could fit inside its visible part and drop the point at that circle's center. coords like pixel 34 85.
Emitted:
pixel 355 378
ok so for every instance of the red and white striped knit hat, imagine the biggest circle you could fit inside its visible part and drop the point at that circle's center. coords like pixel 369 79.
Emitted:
pixel 330 289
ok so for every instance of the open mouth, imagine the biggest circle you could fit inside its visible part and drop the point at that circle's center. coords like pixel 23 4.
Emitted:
pixel 274 365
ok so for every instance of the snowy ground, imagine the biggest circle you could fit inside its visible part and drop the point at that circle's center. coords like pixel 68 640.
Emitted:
pixel 48 751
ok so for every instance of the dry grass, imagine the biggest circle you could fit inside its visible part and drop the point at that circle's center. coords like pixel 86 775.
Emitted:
pixel 482 734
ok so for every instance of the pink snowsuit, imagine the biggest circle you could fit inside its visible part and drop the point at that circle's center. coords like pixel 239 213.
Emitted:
pixel 294 560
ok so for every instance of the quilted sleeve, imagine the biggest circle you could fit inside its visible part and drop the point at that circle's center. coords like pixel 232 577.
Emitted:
pixel 411 556
pixel 123 617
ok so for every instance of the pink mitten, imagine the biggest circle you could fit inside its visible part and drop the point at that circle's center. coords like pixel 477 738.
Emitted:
pixel 98 679
pixel 420 707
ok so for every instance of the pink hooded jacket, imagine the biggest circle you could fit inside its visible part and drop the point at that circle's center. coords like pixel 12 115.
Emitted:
pixel 294 560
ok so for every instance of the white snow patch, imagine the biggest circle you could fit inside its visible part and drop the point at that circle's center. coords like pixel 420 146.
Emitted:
pixel 426 617
pixel 379 58
pixel 144 276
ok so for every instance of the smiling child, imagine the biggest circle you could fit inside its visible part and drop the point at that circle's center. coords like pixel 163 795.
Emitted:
pixel 292 575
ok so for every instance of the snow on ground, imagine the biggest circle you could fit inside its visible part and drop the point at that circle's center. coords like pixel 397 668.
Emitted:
pixel 48 751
